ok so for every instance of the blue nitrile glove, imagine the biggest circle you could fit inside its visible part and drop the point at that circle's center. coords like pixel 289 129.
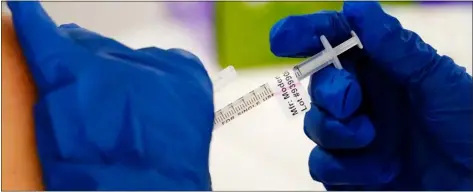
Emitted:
pixel 112 118
pixel 398 118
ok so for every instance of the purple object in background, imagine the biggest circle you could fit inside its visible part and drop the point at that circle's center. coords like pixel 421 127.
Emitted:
pixel 199 18
pixel 444 2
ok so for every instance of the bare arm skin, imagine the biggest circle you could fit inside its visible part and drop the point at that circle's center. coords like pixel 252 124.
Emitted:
pixel 20 165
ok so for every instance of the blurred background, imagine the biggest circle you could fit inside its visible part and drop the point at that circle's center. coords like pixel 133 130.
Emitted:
pixel 261 150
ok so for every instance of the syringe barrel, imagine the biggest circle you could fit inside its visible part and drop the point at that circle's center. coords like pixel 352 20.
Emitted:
pixel 311 65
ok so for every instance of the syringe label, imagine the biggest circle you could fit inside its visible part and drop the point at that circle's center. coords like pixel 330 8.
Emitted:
pixel 290 93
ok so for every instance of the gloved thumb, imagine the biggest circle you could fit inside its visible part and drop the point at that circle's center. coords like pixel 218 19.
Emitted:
pixel 398 51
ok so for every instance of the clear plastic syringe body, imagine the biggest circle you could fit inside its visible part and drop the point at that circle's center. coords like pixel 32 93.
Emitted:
pixel 325 57
pixel 305 69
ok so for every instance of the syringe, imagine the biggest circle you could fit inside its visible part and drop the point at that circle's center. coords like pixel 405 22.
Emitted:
pixel 286 85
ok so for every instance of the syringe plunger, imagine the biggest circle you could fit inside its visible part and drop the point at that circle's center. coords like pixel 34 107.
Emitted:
pixel 326 57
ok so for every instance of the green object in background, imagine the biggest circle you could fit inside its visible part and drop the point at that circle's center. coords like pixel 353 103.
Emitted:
pixel 242 29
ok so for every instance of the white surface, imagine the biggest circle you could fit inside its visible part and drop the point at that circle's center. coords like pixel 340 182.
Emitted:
pixel 260 150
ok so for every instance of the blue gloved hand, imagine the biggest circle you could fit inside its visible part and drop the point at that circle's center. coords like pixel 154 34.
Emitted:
pixel 112 118
pixel 399 117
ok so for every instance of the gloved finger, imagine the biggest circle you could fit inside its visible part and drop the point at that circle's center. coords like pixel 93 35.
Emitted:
pixel 69 26
pixel 351 169
pixel 102 45
pixel 37 33
pixel 439 88
pixel 93 41
pixel 336 91
pixel 399 51
pixel 330 133
pixel 195 63
pixel 159 54
pixel 186 54
pixel 189 61
pixel 177 53
pixel 299 35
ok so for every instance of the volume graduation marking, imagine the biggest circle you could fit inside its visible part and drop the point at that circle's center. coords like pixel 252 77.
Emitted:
pixel 242 105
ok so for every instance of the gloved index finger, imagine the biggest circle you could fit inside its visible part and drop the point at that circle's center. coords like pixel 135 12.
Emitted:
pixel 36 31
pixel 299 35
